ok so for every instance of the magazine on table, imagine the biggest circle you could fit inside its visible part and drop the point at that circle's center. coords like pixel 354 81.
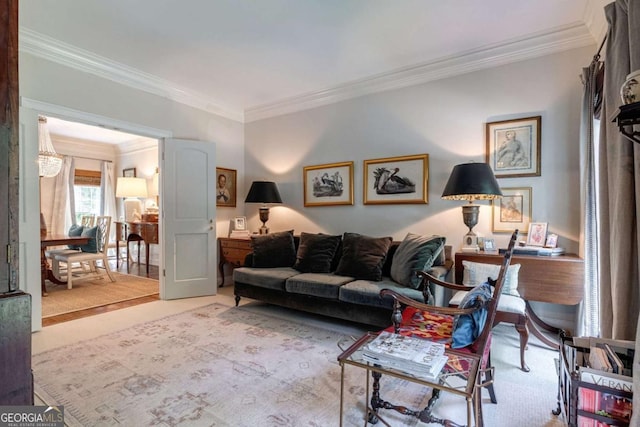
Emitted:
pixel 415 356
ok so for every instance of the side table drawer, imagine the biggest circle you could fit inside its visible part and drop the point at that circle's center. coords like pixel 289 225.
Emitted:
pixel 234 256
pixel 239 244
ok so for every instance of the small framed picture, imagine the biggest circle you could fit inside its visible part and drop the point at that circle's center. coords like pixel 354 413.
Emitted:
pixel 129 173
pixel 552 241
pixel 240 223
pixel 490 246
pixel 226 187
pixel 513 147
pixel 537 234
pixel 512 211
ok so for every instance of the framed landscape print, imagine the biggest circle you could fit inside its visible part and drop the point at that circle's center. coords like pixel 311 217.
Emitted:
pixel 226 187
pixel 512 211
pixel 513 147
pixel 396 180
pixel 330 184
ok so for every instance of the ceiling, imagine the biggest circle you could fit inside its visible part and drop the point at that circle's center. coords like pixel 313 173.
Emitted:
pixel 248 59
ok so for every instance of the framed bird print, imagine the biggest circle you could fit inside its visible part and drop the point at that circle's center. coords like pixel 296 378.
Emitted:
pixel 396 180
pixel 328 185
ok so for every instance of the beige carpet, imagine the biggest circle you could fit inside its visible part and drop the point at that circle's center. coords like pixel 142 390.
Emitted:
pixel 90 292
pixel 257 365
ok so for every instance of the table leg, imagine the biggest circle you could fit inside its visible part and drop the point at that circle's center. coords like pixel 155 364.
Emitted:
pixel 146 253
pixel 535 322
pixel 221 271
pixel 117 253
pixel 44 266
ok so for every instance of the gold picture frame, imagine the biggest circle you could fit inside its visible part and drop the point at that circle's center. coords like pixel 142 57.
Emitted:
pixel 512 211
pixel 396 180
pixel 330 184
pixel 226 187
pixel 513 147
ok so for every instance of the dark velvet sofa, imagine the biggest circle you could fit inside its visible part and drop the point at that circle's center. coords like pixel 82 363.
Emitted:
pixel 331 294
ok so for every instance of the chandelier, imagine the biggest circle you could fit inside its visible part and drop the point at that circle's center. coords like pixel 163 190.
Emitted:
pixel 49 163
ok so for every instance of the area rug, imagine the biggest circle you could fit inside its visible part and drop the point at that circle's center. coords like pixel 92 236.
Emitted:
pixel 90 293
pixel 251 366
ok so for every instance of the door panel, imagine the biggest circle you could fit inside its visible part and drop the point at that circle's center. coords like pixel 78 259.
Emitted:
pixel 189 209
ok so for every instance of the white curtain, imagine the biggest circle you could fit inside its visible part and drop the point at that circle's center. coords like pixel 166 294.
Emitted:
pixel 108 195
pixel 63 213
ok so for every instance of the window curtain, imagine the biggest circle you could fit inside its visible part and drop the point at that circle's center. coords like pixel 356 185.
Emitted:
pixel 63 214
pixel 108 195
pixel 619 182
pixel 589 313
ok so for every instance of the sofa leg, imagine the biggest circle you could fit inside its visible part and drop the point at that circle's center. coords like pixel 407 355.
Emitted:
pixel 237 300
pixel 523 330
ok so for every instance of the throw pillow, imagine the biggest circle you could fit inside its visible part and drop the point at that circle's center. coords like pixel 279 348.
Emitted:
pixel 363 256
pixel 315 252
pixel 75 231
pixel 467 327
pixel 413 254
pixel 92 246
pixel 274 250
pixel 476 273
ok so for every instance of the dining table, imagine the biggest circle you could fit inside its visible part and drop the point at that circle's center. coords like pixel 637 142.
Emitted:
pixel 55 240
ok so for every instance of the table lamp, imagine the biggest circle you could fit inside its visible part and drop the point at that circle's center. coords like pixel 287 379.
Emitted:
pixel 471 181
pixel 263 192
pixel 131 189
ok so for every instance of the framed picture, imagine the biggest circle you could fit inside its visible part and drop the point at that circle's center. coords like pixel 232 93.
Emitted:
pixel 490 246
pixel 396 180
pixel 330 184
pixel 552 241
pixel 513 147
pixel 226 187
pixel 240 223
pixel 129 173
pixel 537 234
pixel 512 211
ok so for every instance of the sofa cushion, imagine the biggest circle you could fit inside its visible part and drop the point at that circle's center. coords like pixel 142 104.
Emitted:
pixel 363 256
pixel 271 278
pixel 467 327
pixel 317 284
pixel 367 292
pixel 273 250
pixel 476 273
pixel 415 253
pixel 316 252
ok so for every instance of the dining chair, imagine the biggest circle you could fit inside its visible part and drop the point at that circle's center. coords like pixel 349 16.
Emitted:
pixel 99 245
pixel 86 221
pixel 466 328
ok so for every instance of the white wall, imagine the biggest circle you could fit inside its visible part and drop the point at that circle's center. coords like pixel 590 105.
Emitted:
pixel 445 119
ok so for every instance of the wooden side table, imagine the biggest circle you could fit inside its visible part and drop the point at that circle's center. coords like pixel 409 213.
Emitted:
pixel 137 232
pixel 232 251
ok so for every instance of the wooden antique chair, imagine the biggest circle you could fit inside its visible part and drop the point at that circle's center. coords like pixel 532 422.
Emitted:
pixel 103 225
pixel 466 328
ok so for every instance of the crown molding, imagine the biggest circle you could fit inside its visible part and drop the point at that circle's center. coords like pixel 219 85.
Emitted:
pixel 139 145
pixel 595 19
pixel 68 55
pixel 84 148
pixel 535 45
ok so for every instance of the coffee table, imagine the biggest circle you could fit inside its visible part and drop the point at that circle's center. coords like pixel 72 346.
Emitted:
pixel 459 376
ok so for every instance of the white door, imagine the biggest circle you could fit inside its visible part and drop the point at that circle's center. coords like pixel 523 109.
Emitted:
pixel 188 205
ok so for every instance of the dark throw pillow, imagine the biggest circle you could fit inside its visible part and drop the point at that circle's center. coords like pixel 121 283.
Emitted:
pixel 363 256
pixel 75 231
pixel 467 327
pixel 415 253
pixel 316 252
pixel 92 246
pixel 273 250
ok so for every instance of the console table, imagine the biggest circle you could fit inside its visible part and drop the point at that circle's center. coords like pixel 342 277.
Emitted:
pixel 232 251
pixel 551 279
pixel 136 232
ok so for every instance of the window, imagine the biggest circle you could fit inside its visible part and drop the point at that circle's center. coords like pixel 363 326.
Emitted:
pixel 86 191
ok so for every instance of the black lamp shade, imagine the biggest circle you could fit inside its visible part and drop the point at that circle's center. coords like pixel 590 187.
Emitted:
pixel 263 192
pixel 470 181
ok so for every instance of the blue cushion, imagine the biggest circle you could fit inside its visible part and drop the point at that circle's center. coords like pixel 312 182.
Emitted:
pixel 92 246
pixel 467 327
pixel 75 231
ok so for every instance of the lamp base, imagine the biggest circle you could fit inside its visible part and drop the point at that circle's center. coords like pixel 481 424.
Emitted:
pixel 470 243
pixel 264 229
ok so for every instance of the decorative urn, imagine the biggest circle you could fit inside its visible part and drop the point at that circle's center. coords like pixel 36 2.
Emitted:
pixel 630 90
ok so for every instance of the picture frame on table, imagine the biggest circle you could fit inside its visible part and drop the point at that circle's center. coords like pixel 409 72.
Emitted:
pixel 537 234
pixel 240 223
pixel 129 173
pixel 396 180
pixel 513 147
pixel 226 187
pixel 490 246
pixel 512 211
pixel 329 184
pixel 552 241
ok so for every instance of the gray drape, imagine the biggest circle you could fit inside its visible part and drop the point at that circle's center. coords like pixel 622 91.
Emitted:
pixel 619 181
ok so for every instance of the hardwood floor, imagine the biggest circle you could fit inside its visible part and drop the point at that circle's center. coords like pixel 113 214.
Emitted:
pixel 135 269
